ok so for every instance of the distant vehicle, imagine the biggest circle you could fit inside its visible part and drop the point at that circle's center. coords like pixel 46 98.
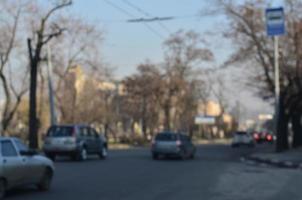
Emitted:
pixel 76 141
pixel 172 144
pixel 263 137
pixel 242 138
pixel 20 166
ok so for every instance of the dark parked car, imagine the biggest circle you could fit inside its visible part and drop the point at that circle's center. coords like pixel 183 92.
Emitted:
pixel 76 141
pixel 21 166
pixel 172 144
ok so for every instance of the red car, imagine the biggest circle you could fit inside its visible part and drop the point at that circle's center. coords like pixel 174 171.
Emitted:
pixel 261 137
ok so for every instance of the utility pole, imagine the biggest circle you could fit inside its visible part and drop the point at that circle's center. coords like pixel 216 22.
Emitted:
pixel 53 117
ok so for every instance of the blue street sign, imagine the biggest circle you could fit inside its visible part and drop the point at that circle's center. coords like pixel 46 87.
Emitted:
pixel 275 21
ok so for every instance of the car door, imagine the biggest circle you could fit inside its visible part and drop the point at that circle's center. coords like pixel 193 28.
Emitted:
pixel 13 164
pixel 89 139
pixel 187 146
pixel 32 167
pixel 97 142
pixel 191 147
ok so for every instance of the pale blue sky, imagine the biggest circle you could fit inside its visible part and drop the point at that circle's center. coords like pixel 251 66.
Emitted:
pixel 128 44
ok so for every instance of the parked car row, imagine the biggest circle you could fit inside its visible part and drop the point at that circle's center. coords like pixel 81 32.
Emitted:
pixel 243 138
pixel 20 165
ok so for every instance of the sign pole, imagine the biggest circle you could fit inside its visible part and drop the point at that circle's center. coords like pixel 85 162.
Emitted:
pixel 275 26
pixel 277 79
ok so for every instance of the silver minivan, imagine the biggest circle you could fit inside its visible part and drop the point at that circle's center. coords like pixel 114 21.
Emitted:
pixel 75 141
pixel 21 166
pixel 172 144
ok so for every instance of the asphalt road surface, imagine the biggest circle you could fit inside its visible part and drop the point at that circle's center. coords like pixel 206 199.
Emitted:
pixel 215 174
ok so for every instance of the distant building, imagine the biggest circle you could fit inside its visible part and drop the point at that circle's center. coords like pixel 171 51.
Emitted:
pixel 223 124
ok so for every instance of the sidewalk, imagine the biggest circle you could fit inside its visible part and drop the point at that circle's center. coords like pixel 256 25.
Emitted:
pixel 289 159
pixel 213 141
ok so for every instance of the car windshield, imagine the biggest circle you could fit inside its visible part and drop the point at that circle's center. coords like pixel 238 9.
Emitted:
pixel 60 131
pixel 21 146
pixel 166 137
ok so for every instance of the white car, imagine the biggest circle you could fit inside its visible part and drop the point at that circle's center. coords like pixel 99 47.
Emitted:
pixel 21 166
pixel 242 138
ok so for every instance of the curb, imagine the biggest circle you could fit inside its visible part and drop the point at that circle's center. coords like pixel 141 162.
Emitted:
pixel 272 162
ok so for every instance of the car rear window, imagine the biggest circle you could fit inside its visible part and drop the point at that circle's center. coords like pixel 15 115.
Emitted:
pixel 166 137
pixel 60 131
pixel 241 133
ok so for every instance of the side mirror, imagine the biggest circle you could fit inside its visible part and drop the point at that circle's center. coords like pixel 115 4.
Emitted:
pixel 29 152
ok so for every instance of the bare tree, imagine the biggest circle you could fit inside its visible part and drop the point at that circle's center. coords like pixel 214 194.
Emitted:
pixel 9 44
pixel 79 46
pixel 143 92
pixel 246 29
pixel 42 35
pixel 185 51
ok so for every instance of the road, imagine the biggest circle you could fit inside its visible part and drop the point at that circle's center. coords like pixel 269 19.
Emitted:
pixel 215 174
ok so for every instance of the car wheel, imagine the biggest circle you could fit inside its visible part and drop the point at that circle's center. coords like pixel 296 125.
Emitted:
pixel 45 182
pixel 2 189
pixel 155 156
pixel 192 156
pixel 104 153
pixel 51 156
pixel 235 145
pixel 182 155
pixel 82 154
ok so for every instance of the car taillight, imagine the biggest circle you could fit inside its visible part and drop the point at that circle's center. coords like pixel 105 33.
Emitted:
pixel 178 143
pixel 256 136
pixel 269 137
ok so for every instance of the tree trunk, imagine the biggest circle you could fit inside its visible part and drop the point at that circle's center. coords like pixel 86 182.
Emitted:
pixel 106 130
pixel 167 115
pixel 297 130
pixel 282 128
pixel 33 128
pixel 144 127
pixel 143 118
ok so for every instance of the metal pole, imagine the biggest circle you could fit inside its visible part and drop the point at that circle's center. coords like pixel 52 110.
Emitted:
pixel 277 84
pixel 53 118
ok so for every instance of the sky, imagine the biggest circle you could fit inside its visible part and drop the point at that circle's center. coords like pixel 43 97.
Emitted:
pixel 128 44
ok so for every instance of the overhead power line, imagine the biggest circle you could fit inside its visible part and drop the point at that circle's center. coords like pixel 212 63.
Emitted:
pixel 150 18
pixel 132 16
pixel 137 8
pixel 119 8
